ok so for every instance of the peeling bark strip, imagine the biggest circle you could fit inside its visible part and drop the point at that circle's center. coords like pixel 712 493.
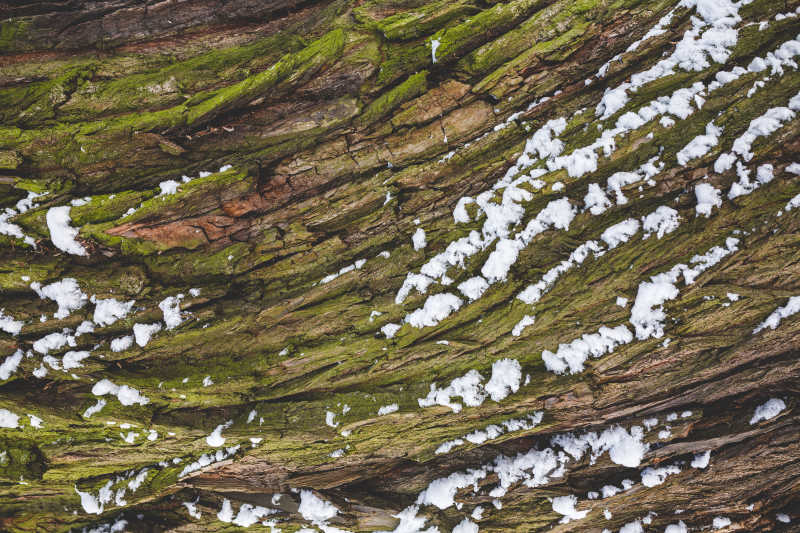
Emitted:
pixel 400 266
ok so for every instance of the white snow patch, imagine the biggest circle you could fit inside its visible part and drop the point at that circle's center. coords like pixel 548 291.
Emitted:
pixel 680 527
pixel 390 329
pixel 565 505
pixel 434 46
pixel 768 410
pixel 8 419
pixel 61 233
pixel 315 509
pixel 720 521
pixel 121 343
pixel 144 332
pixel 506 378
pixel 96 408
pixel 10 364
pixel 774 319
pixel 571 357
pixel 767 124
pixel 474 287
pixel 171 308
pixel 526 321
pixel 468 387
pixel 66 293
pixel 436 308
pixel 125 394
pixel 9 325
pixel 661 221
pixel 387 409
pixel 418 239
pixel 656 476
pixel 466 526
pixel 619 233
pixel 700 145
pixel 701 460
pixel 109 310
pixel 215 438
pixel 707 199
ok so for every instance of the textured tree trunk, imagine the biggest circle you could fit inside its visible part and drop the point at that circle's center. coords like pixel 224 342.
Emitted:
pixel 316 140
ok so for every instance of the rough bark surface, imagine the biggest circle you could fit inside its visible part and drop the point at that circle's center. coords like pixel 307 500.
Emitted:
pixel 316 139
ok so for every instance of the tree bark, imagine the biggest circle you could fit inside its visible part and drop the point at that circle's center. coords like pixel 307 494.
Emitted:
pixel 309 143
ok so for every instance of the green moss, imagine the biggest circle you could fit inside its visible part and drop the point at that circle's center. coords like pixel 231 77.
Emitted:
pixel 107 207
pixel 419 22
pixel 9 159
pixel 261 296
pixel 202 265
pixel 172 83
pixel 550 23
pixel 34 103
pixel 415 85
pixel 12 34
pixel 20 459
pixel 454 41
pixel 291 67
pixel 34 223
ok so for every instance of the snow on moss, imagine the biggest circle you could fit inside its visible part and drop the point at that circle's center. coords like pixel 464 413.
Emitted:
pixel 492 431
pixel 66 293
pixel 506 378
pixel 467 387
pixel 108 311
pixel 54 341
pixel 10 365
pixel 315 509
pixel 144 332
pixel 534 292
pixel 171 309
pixel 700 145
pixel 388 409
pixel 565 505
pixel 436 308
pixel 466 526
pixel 418 239
pixel 473 288
pixel 524 322
pixel 208 459
pixel 9 325
pixel 774 319
pixel 761 126
pixel 707 199
pixel 8 419
pixel 62 234
pixel 121 343
pixel 125 394
pixel 660 222
pixel 570 357
pixel 215 438
pixel 619 233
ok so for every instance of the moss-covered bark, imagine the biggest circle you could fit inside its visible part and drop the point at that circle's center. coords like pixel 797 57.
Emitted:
pixel 317 135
